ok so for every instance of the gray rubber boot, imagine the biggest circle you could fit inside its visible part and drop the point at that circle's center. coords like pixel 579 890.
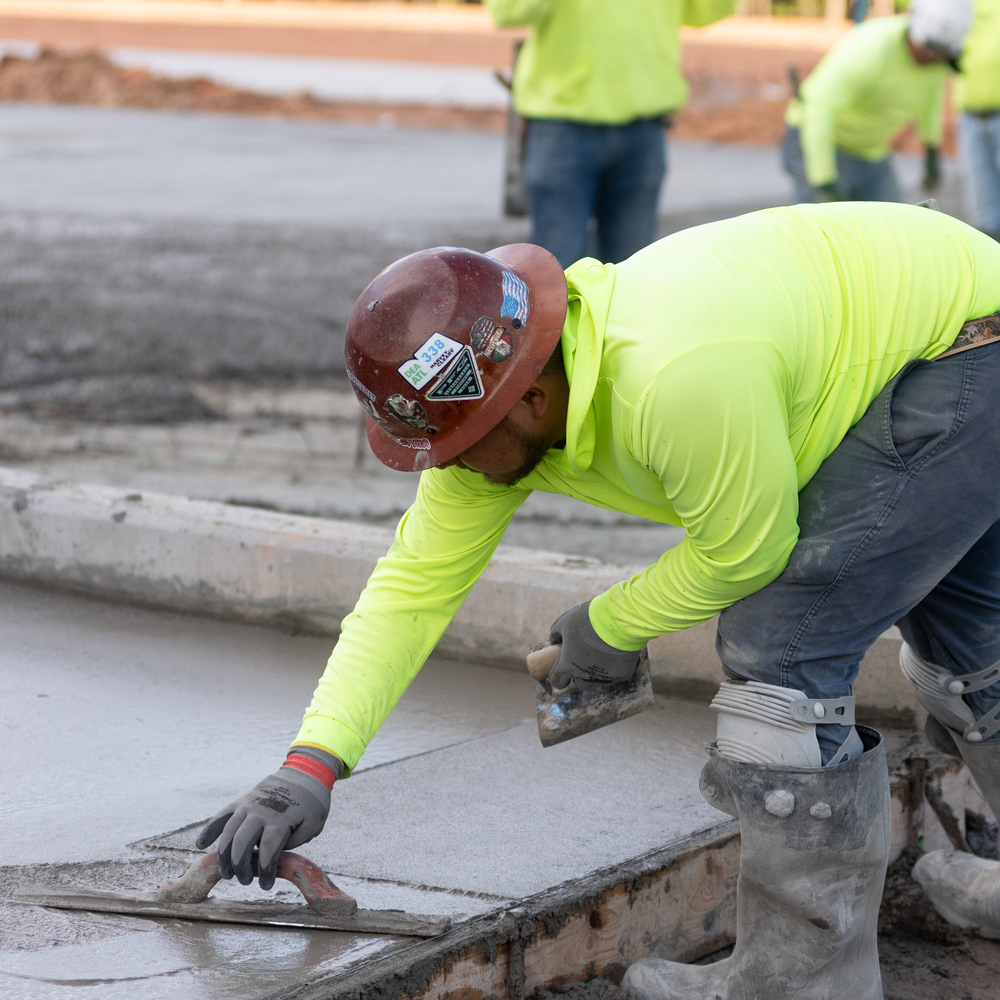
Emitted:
pixel 965 889
pixel 815 842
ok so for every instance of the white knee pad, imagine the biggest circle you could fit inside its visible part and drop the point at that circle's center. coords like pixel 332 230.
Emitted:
pixel 767 724
pixel 940 692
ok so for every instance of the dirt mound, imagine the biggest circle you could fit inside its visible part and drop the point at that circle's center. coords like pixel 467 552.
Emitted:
pixel 733 105
pixel 91 78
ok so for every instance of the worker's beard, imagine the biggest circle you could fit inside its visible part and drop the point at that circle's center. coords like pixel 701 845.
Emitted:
pixel 533 449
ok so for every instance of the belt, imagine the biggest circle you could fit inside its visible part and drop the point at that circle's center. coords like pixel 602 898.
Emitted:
pixel 984 113
pixel 975 333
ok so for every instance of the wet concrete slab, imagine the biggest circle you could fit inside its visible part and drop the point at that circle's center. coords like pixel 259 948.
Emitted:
pixel 119 726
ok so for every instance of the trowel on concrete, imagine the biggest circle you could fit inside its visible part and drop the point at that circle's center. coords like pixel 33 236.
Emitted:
pixel 187 898
pixel 570 712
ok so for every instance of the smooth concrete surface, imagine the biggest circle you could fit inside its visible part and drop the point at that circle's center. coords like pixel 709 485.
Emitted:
pixel 120 725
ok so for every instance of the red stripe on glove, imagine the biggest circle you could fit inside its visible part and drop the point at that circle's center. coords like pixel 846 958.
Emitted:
pixel 323 774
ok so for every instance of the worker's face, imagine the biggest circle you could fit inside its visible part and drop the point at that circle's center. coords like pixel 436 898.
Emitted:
pixel 506 455
pixel 924 55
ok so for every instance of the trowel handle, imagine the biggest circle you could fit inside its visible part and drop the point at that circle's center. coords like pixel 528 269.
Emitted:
pixel 543 658
pixel 320 893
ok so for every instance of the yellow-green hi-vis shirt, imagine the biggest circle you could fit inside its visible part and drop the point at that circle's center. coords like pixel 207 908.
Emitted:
pixel 978 86
pixel 862 93
pixel 710 375
pixel 602 62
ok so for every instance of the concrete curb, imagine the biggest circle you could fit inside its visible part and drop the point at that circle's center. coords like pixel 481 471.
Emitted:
pixel 304 573
pixel 236 562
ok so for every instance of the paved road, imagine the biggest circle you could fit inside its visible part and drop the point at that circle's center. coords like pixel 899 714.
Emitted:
pixel 118 726
pixel 207 246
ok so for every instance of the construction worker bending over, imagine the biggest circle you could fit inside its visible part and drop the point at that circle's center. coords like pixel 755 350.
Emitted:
pixel 977 93
pixel 884 74
pixel 781 384
pixel 595 81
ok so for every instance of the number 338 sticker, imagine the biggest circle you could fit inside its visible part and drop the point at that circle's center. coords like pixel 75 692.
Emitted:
pixel 429 359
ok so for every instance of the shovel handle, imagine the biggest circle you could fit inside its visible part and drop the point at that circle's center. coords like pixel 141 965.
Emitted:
pixel 543 658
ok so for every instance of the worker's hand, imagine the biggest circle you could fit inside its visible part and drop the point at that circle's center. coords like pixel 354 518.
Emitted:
pixel 932 169
pixel 286 809
pixel 586 658
pixel 827 192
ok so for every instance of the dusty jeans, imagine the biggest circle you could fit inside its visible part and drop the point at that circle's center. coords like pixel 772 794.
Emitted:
pixel 901 524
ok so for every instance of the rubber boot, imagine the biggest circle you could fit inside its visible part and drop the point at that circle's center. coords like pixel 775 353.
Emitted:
pixel 814 847
pixel 965 889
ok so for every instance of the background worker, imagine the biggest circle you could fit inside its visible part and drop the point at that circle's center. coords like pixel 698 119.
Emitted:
pixel 884 74
pixel 594 81
pixel 762 382
pixel 977 93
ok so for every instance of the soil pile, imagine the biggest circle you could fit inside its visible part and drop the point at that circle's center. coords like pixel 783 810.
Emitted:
pixel 731 106
pixel 91 78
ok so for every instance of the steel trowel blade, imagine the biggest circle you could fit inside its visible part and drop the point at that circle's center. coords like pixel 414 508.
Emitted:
pixel 565 715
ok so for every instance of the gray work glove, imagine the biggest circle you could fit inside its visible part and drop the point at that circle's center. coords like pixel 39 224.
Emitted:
pixel 586 659
pixel 827 193
pixel 932 170
pixel 286 809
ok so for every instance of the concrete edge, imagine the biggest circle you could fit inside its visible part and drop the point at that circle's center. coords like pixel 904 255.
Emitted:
pixel 509 952
pixel 305 574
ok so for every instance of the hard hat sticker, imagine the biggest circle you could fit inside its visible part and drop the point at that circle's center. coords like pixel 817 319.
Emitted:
pixel 407 410
pixel 491 340
pixel 429 359
pixel 361 388
pixel 460 381
pixel 515 299
pixel 417 444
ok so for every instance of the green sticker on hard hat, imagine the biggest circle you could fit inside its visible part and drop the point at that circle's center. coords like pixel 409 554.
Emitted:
pixel 460 380
pixel 429 359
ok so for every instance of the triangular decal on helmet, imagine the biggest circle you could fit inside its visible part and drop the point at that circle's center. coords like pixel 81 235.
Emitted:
pixel 460 380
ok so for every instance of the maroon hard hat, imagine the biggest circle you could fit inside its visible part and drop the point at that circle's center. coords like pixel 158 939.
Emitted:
pixel 443 343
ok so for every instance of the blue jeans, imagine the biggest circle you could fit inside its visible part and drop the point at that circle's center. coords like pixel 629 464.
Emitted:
pixel 981 160
pixel 611 173
pixel 901 524
pixel 857 179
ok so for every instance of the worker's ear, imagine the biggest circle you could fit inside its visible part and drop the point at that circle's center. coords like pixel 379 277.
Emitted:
pixel 537 400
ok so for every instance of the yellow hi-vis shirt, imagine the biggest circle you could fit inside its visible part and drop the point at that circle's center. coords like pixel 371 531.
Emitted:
pixel 602 62
pixel 862 93
pixel 710 376
pixel 978 85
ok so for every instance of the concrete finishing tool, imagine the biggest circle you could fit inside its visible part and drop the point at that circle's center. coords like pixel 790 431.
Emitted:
pixel 571 711
pixel 187 898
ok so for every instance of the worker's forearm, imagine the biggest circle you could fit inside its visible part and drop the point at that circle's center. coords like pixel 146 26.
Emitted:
pixel 517 13
pixel 442 545
pixel 819 149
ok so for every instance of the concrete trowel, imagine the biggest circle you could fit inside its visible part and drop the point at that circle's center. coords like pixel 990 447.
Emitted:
pixel 569 712
pixel 187 897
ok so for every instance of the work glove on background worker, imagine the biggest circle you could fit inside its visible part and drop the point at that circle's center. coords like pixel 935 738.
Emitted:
pixel 932 169
pixel 586 659
pixel 286 809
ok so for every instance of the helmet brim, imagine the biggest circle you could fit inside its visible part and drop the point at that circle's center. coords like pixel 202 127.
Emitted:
pixel 545 278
